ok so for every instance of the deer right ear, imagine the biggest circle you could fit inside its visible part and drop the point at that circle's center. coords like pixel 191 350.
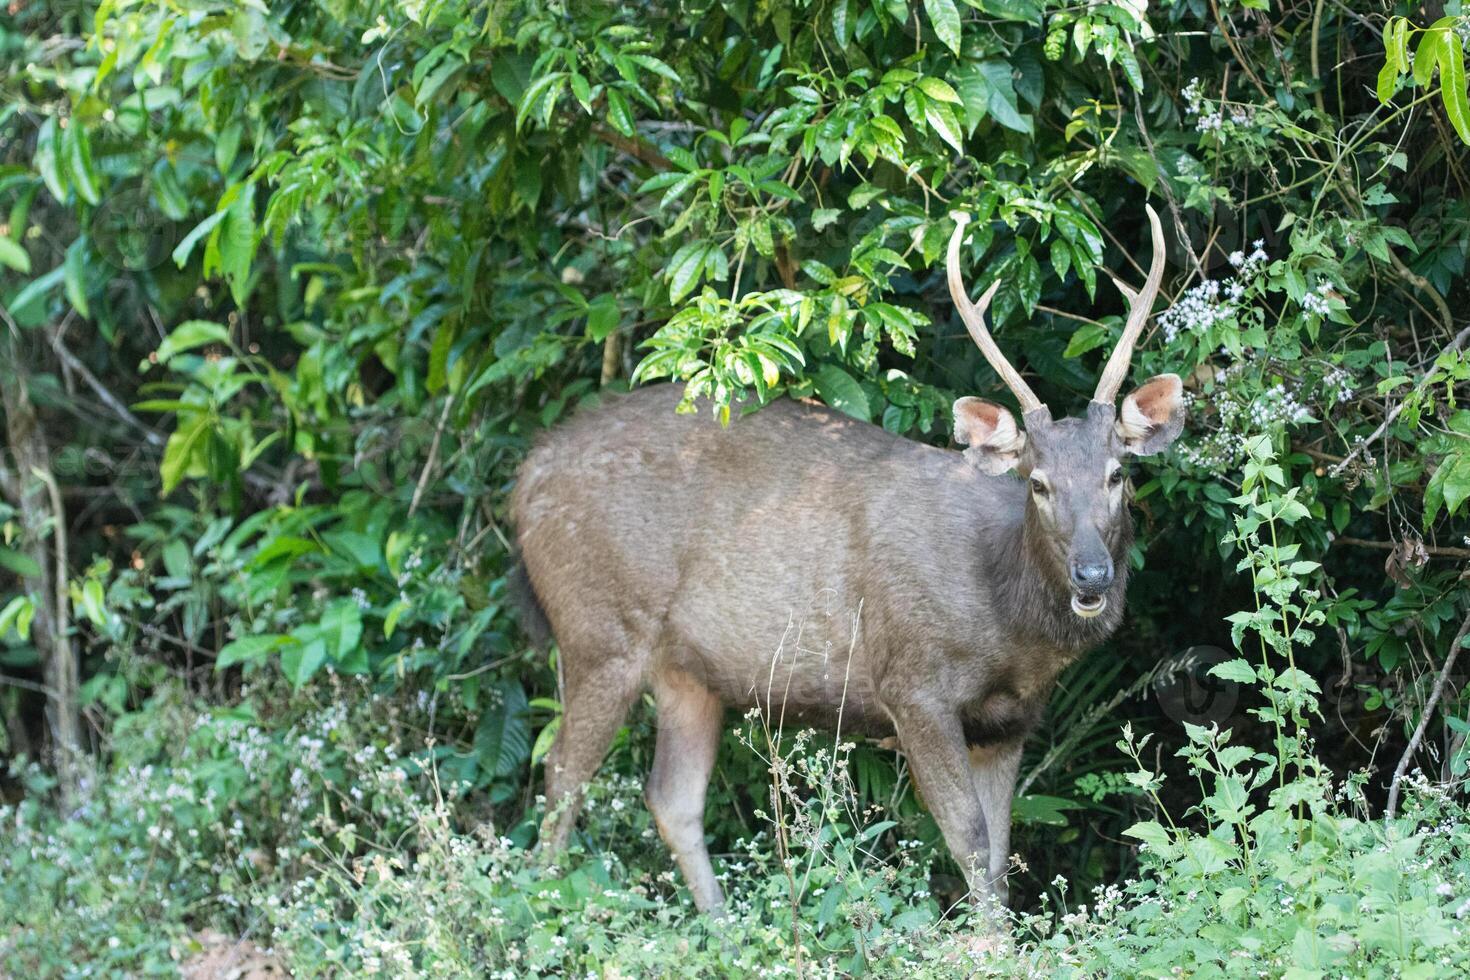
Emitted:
pixel 990 432
pixel 1153 416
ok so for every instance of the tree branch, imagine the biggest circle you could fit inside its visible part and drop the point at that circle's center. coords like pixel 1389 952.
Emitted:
pixel 107 397
pixel 1419 730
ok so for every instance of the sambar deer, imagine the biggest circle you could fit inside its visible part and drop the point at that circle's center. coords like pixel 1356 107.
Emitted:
pixel 666 552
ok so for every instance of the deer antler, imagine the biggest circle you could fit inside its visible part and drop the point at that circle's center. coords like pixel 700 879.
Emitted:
pixel 974 317
pixel 1140 305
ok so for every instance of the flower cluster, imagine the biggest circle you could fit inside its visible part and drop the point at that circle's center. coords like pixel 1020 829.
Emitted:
pixel 1214 302
pixel 1240 412
pixel 1318 301
pixel 1209 117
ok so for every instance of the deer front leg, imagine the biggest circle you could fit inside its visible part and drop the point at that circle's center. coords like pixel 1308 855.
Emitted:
pixel 935 745
pixel 994 768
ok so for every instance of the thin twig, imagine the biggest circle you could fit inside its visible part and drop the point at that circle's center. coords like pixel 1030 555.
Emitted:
pixel 107 397
pixel 1429 706
pixel 21 682
pixel 418 491
pixel 1431 551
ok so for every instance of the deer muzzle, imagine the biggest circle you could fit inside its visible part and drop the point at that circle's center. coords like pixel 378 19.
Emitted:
pixel 1091 578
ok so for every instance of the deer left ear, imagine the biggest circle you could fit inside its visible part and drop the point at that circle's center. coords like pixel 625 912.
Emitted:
pixel 1152 416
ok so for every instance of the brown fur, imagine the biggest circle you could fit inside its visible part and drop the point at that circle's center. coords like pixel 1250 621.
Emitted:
pixel 725 567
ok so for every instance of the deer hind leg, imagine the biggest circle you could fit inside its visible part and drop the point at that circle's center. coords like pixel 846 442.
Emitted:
pixel 594 707
pixel 689 722
pixel 994 769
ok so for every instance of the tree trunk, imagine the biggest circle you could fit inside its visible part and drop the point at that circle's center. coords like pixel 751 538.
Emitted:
pixel 32 487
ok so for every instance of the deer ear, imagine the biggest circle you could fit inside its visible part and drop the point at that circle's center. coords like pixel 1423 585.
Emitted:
pixel 1152 416
pixel 990 432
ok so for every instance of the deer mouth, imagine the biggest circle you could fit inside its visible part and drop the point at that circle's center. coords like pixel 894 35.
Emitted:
pixel 1088 606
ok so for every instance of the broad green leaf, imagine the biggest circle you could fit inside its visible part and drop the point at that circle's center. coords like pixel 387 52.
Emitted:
pixel 341 628
pixel 840 23
pixel 840 390
pixel 302 660
pixel 620 113
pixel 18 563
pixel 939 90
pixel 942 118
pixel 1452 82
pixel 1426 57
pixel 946 20
pixel 1388 81
pixel 251 649
pixel 684 268
pixel 603 316
pixel 1237 670
pixel 1151 833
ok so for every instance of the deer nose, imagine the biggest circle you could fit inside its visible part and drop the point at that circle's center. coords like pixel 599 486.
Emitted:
pixel 1092 576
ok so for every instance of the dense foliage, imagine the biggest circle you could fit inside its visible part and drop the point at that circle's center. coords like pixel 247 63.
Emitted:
pixel 290 288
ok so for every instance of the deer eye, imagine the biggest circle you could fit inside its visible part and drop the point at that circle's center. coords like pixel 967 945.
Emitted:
pixel 1038 488
pixel 1115 477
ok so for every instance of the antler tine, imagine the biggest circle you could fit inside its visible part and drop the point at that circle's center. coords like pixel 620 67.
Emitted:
pixel 1140 305
pixel 974 317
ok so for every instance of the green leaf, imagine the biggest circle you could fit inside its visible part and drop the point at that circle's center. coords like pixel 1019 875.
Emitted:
pixel 180 450
pixel 15 257
pixel 184 248
pixel 840 390
pixel 538 90
pixel 189 335
pixel 503 738
pixel 75 276
pixel 17 614
pixel 942 118
pixel 237 244
pixel 603 317
pixel 18 563
pixel 301 660
pixel 1002 101
pixel 620 113
pixel 1452 85
pixel 840 23
pixel 77 151
pixel 250 649
pixel 1151 833
pixel 47 159
pixel 1426 56
pixel 1237 670
pixel 1388 81
pixel 946 20
pixel 341 628
pixel 226 145
pixel 684 268
pixel 939 90
pixel 35 289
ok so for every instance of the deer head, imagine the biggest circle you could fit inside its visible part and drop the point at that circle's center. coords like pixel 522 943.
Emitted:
pixel 1073 466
